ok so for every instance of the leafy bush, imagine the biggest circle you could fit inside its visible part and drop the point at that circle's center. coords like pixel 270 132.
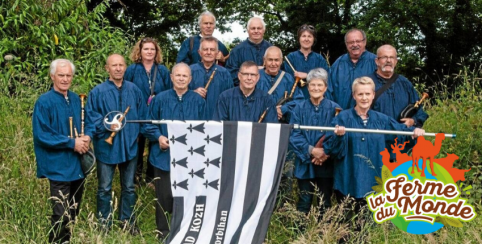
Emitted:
pixel 37 32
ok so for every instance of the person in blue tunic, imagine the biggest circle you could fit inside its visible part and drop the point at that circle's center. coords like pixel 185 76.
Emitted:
pixel 357 155
pixel 356 63
pixel 312 169
pixel 252 49
pixel 305 59
pixel 188 53
pixel 207 71
pixel 396 97
pixel 246 102
pixel 151 77
pixel 58 150
pixel 271 77
pixel 116 94
pixel 178 103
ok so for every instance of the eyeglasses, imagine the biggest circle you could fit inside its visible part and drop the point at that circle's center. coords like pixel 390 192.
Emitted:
pixel 248 74
pixel 385 58
pixel 356 41
pixel 307 27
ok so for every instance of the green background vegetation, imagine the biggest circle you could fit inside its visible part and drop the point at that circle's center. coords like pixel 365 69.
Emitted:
pixel 85 35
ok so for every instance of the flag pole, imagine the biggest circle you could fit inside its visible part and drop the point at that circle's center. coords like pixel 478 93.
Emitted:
pixel 389 132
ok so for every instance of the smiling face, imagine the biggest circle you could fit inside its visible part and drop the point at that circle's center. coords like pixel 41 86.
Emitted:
pixel 364 95
pixel 116 67
pixel 181 77
pixel 256 30
pixel 317 88
pixel 306 40
pixel 273 60
pixel 207 25
pixel 386 61
pixel 355 44
pixel 62 78
pixel 148 51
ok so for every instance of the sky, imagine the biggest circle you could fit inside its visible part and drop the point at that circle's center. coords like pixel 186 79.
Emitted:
pixel 236 31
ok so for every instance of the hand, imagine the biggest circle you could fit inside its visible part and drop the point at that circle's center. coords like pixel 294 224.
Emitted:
pixel 220 57
pixel 409 122
pixel 86 139
pixel 114 127
pixel 163 142
pixel 302 75
pixel 201 91
pixel 339 130
pixel 418 132
pixel 278 110
pixel 81 146
pixel 319 156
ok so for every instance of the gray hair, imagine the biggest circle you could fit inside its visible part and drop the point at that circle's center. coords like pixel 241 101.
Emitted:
pixel 318 73
pixel 256 17
pixel 273 47
pixel 208 39
pixel 178 65
pixel 61 62
pixel 206 13
pixel 364 80
pixel 353 30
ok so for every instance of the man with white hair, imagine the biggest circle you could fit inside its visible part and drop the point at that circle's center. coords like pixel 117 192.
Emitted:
pixel 252 49
pixel 57 150
pixel 189 49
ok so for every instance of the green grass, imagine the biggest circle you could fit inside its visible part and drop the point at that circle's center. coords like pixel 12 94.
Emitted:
pixel 24 199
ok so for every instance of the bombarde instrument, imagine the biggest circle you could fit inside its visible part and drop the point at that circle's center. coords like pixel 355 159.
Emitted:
pixel 411 109
pixel 210 79
pixel 301 81
pixel 118 122
pixel 82 99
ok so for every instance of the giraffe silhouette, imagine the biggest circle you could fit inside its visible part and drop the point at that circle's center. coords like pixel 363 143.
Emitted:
pixel 426 151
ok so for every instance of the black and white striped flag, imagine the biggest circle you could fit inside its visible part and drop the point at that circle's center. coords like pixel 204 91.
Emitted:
pixel 224 179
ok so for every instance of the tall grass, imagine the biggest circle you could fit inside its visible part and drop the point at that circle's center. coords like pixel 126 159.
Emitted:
pixel 25 209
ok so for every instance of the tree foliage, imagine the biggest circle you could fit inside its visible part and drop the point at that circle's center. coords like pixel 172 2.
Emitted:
pixel 37 32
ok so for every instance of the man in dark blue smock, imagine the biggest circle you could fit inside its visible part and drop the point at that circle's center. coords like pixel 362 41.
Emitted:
pixel 278 83
pixel 246 102
pixel 178 103
pixel 57 149
pixel 189 49
pixel 311 165
pixel 207 71
pixel 356 63
pixel 252 49
pixel 398 95
pixel 116 94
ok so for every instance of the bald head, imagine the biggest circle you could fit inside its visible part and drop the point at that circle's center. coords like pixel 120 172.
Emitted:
pixel 386 47
pixel 386 61
pixel 273 57
pixel 116 67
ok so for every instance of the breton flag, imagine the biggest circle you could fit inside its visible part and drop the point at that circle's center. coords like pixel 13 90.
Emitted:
pixel 224 179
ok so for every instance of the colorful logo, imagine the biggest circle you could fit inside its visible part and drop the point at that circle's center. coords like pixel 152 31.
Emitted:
pixel 418 193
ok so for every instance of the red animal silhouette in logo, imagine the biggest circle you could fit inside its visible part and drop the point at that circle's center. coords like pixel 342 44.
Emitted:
pixel 401 157
pixel 426 151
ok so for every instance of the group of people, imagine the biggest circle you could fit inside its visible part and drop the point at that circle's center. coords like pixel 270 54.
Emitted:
pixel 250 83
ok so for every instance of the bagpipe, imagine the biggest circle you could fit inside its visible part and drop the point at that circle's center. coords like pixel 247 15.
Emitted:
pixel 410 110
pixel 87 160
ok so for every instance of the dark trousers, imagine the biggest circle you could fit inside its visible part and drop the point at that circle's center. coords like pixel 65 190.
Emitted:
pixel 352 208
pixel 140 161
pixel 308 190
pixel 66 198
pixel 164 200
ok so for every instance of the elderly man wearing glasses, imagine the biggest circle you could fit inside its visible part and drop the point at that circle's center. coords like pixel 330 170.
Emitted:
pixel 394 92
pixel 305 59
pixel 356 63
pixel 246 102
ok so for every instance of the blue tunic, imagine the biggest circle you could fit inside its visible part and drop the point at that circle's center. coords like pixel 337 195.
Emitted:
pixel 189 57
pixel 342 74
pixel 234 106
pixel 305 113
pixel 137 74
pixel 107 97
pixel 169 106
pixel 267 81
pixel 357 155
pixel 245 51
pixel 297 59
pixel 54 150
pixel 221 82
